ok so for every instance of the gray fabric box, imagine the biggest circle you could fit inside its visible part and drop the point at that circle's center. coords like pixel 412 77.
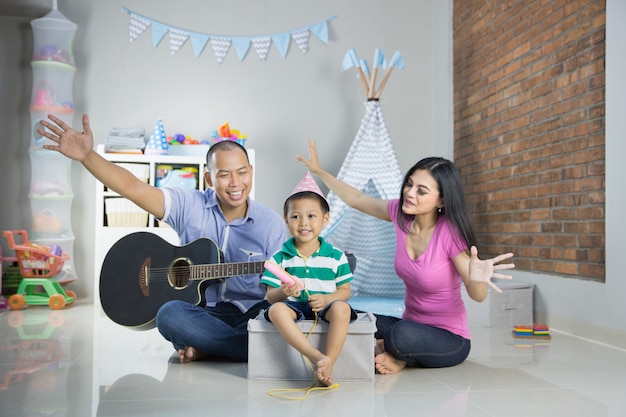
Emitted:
pixel 270 357
pixel 513 306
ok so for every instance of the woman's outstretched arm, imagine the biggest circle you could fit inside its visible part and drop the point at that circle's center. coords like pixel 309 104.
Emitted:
pixel 347 193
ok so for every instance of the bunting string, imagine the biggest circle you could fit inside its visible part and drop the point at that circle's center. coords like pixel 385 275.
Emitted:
pixel 221 44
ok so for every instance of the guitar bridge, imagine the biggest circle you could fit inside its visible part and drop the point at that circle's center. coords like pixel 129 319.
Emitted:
pixel 144 277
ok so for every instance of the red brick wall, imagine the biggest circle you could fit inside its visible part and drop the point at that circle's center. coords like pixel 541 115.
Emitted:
pixel 529 130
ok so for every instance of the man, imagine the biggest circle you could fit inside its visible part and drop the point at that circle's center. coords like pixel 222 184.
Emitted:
pixel 244 230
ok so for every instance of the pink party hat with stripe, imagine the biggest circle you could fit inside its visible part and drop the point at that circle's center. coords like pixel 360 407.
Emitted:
pixel 307 184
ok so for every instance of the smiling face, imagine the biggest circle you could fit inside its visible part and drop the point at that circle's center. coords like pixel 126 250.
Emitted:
pixel 421 194
pixel 305 220
pixel 230 175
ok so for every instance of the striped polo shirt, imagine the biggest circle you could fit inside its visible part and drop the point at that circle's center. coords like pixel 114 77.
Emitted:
pixel 321 273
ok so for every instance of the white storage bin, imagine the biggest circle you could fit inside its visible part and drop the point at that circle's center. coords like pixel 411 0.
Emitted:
pixel 513 306
pixel 121 212
pixel 141 171
pixel 271 357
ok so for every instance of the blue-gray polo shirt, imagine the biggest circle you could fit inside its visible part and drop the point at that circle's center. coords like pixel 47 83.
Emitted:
pixel 195 214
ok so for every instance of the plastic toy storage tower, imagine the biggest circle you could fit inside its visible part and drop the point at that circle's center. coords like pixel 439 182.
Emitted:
pixel 51 192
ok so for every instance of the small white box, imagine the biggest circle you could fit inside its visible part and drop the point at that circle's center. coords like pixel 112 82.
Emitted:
pixel 513 306
pixel 270 357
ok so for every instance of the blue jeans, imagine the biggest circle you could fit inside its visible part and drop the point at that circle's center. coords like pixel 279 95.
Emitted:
pixel 421 345
pixel 219 331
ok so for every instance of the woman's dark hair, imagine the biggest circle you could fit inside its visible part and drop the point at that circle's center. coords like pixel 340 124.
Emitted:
pixel 450 186
pixel 224 145
pixel 304 195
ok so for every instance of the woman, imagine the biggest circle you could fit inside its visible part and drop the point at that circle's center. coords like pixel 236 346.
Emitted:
pixel 435 253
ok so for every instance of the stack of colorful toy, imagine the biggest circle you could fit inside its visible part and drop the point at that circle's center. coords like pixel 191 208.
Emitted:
pixel 541 330
pixel 536 331
pixel 522 331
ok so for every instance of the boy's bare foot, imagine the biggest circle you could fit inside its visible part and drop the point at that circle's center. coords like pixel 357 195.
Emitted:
pixel 324 371
pixel 189 354
pixel 386 364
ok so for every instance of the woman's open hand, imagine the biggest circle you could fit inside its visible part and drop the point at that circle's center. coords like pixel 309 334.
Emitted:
pixel 485 270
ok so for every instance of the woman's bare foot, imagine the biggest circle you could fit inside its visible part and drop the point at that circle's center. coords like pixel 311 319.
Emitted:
pixel 324 371
pixel 386 364
pixel 189 354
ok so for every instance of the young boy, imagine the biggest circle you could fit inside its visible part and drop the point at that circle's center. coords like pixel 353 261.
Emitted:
pixel 322 269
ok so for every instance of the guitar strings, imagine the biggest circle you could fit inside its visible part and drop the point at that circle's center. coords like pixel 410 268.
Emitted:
pixel 197 272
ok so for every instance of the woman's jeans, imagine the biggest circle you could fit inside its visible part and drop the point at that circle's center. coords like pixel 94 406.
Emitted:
pixel 218 331
pixel 421 345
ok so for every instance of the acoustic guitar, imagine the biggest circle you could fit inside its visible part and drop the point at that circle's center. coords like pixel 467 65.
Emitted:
pixel 142 271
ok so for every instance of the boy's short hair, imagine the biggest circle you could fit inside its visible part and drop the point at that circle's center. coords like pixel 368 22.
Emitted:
pixel 304 195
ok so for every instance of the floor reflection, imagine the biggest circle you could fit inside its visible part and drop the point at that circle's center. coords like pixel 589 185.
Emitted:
pixel 76 362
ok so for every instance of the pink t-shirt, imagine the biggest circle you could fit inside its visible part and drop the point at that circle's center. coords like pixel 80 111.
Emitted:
pixel 433 285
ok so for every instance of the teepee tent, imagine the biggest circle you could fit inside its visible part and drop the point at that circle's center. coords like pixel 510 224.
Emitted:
pixel 371 166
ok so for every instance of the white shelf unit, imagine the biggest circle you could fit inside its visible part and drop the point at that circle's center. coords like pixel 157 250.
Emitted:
pixel 106 236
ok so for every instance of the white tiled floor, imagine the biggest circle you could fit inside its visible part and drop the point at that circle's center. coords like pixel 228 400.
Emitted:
pixel 76 362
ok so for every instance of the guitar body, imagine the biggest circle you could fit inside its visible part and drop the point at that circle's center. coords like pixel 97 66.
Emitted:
pixel 142 271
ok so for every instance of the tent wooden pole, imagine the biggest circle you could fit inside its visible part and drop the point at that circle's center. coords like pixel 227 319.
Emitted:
pixel 363 78
pixel 383 82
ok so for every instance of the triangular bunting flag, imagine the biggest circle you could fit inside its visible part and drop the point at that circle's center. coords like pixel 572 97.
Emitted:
pixel 158 31
pixel 221 44
pixel 301 38
pixel 220 48
pixel 262 46
pixel 242 45
pixel 281 40
pixel 138 25
pixel 321 31
pixel 198 41
pixel 177 39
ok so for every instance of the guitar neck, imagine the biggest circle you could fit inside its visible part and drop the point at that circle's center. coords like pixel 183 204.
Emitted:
pixel 224 270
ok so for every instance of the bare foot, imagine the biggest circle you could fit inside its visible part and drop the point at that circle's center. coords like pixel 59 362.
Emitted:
pixel 386 364
pixel 324 371
pixel 189 354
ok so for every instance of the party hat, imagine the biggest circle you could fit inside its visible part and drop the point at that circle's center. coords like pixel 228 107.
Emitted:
pixel 307 184
pixel 157 145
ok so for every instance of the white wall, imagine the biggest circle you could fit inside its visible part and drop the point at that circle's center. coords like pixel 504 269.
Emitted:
pixel 278 103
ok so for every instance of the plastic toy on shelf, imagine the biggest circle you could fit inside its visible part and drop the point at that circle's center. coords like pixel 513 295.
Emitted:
pixel 38 265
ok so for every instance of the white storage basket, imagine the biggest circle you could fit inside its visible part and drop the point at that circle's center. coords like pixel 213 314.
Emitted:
pixel 121 212
pixel 141 171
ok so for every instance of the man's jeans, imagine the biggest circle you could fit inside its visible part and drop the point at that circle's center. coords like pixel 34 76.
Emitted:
pixel 218 331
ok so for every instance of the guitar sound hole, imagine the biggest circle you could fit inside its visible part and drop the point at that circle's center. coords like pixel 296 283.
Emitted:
pixel 180 273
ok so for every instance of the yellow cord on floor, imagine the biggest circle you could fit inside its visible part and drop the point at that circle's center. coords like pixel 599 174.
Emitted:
pixel 281 392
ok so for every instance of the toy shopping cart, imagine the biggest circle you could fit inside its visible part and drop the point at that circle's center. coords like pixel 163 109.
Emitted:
pixel 38 264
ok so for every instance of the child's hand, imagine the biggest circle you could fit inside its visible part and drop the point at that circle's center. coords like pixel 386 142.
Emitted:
pixel 293 291
pixel 318 302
